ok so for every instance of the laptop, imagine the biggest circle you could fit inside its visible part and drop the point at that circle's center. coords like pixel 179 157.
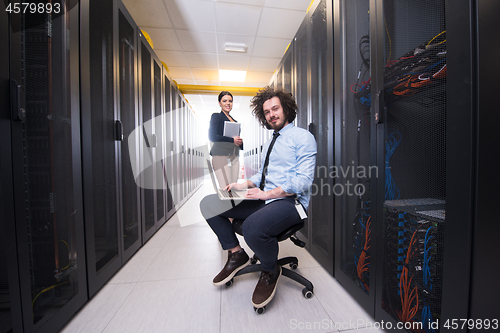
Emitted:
pixel 223 194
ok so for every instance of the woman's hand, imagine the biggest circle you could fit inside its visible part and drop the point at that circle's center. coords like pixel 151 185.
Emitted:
pixel 238 140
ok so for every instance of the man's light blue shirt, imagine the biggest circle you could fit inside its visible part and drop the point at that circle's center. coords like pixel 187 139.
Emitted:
pixel 291 163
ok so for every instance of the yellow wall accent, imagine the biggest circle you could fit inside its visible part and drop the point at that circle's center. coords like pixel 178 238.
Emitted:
pixel 204 89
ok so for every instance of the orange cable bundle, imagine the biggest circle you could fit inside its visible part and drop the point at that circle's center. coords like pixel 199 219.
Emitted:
pixel 408 298
pixel 362 265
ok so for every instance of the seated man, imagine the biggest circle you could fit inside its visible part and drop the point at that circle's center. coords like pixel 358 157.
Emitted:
pixel 283 179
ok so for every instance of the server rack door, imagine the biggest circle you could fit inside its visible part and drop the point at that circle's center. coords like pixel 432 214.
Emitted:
pixel 320 210
pixel 189 136
pixel 100 145
pixel 412 151
pixel 168 143
pixel 462 146
pixel 287 70
pixel 184 130
pixel 175 145
pixel 279 78
pixel 354 224
pixel 484 290
pixel 159 185
pixel 148 143
pixel 131 231
pixel 11 317
pixel 46 161
pixel 301 68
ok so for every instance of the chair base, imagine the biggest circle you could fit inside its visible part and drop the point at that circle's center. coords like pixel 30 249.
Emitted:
pixel 293 262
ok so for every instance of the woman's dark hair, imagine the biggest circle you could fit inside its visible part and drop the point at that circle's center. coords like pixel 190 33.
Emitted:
pixel 224 93
pixel 286 99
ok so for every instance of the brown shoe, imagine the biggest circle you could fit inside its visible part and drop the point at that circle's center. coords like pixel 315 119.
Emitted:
pixel 235 262
pixel 266 287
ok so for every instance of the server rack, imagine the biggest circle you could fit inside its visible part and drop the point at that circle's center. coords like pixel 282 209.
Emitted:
pixel 159 129
pixel 126 32
pixel 306 70
pixel 355 244
pixel 45 168
pixel 169 144
pixel 321 125
pixel 100 144
pixel 11 315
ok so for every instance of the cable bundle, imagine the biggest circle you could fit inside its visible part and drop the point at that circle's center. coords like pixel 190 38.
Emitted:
pixel 392 142
pixel 423 66
pixel 363 264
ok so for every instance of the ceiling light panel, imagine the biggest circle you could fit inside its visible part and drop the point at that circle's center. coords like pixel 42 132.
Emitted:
pixel 231 76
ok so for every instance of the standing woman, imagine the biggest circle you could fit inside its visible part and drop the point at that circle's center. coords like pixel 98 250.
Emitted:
pixel 225 148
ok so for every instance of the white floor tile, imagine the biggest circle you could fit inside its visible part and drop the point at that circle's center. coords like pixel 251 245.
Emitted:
pixel 188 261
pixel 189 305
pixel 134 269
pixel 289 311
pixel 342 308
pixel 99 311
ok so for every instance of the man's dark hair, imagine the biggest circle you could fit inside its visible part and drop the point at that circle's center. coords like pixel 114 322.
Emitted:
pixel 286 99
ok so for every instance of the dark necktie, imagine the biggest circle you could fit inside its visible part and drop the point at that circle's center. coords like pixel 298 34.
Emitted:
pixel 266 162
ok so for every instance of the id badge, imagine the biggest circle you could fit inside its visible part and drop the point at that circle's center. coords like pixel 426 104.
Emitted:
pixel 300 209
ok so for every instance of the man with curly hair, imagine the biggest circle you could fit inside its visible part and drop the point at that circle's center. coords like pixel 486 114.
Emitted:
pixel 285 178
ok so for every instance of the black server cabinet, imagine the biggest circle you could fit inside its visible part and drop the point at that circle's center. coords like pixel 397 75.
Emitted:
pixel 321 123
pixel 300 69
pixel 148 139
pixel 168 162
pixel 11 314
pixel 392 131
pixel 306 71
pixel 159 133
pixel 411 151
pixel 100 142
pixel 355 168
pixel 182 145
pixel 483 289
pixel 44 163
pixel 126 35
pixel 175 113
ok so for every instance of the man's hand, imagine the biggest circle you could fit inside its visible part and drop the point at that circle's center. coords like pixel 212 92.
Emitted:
pixel 236 186
pixel 256 193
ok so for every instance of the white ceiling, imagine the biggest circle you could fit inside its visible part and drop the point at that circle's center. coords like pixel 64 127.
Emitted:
pixel 189 37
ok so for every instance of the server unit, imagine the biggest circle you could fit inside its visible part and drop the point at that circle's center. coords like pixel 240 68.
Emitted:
pixel 42 210
pixel 307 72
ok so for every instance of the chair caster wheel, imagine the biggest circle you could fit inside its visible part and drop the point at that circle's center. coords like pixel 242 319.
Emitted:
pixel 307 293
pixel 294 265
pixel 260 310
pixel 229 283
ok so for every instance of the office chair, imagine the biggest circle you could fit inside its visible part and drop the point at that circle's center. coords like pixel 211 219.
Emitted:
pixel 291 261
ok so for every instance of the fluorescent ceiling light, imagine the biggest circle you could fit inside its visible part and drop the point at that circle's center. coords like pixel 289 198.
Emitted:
pixel 232 76
pixel 235 47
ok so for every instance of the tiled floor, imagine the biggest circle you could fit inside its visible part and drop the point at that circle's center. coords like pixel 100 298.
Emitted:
pixel 167 287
